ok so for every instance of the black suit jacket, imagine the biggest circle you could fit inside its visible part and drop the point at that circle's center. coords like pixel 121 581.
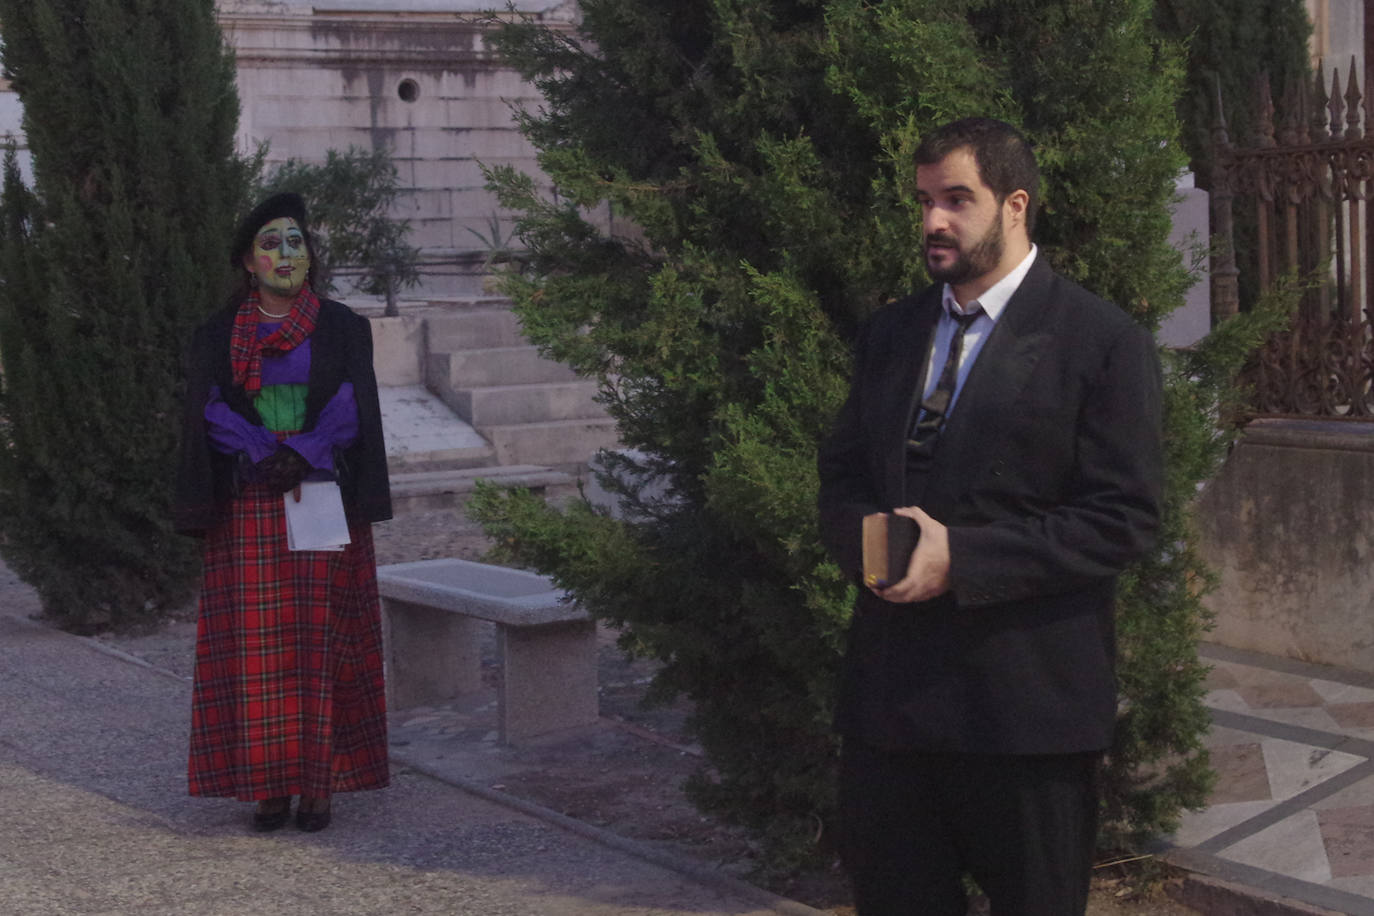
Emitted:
pixel 1048 475
pixel 340 351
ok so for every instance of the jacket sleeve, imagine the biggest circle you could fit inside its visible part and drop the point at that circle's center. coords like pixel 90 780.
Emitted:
pixel 847 490
pixel 1110 515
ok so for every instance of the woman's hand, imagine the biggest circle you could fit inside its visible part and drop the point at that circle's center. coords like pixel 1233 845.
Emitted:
pixel 283 470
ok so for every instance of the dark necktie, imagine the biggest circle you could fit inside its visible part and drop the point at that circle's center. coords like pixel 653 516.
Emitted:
pixel 931 418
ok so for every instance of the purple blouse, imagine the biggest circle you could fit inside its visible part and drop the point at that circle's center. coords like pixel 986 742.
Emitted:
pixel 337 426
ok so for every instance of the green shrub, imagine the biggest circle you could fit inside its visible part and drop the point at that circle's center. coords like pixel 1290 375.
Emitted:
pixel 763 150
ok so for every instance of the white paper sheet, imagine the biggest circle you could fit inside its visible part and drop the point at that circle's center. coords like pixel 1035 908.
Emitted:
pixel 317 521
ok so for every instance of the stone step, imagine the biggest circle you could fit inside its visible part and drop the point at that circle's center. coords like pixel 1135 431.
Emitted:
pixel 505 405
pixel 444 489
pixel 470 302
pixel 424 433
pixel 475 330
pixel 451 372
pixel 564 444
pixel 441 459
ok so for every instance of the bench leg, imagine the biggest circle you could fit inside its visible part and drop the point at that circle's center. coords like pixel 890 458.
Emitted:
pixel 548 678
pixel 431 655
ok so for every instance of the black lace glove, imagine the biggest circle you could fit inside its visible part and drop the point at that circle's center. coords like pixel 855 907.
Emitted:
pixel 282 470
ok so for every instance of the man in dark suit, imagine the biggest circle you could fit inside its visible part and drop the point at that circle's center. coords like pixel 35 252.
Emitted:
pixel 1016 418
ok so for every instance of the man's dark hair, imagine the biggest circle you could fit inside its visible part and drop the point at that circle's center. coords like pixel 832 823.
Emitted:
pixel 1002 153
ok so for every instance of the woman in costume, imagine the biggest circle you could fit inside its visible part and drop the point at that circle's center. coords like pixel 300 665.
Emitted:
pixel 288 696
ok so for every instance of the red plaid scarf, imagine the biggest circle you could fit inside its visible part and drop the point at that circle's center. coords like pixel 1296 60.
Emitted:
pixel 246 350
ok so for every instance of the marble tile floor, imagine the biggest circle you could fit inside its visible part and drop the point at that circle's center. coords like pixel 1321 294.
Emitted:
pixel 1292 813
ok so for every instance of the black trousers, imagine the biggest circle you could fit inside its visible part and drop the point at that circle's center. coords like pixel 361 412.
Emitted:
pixel 913 824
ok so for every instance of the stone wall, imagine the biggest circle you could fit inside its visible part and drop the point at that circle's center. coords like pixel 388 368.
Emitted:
pixel 415 78
pixel 1289 526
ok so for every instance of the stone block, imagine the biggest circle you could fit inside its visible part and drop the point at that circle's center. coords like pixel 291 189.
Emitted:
pixel 478 113
pixel 495 366
pixel 494 144
pixel 546 682
pixel 442 173
pixel 1185 326
pixel 546 645
pixel 445 143
pixel 398 346
pixel 445 489
pixel 558 443
pixel 502 84
pixel 432 655
pixel 510 404
pixel 475 330
pixel 511 597
pixel 1288 525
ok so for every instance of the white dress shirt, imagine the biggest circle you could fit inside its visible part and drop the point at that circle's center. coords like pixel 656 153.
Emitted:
pixel 993 302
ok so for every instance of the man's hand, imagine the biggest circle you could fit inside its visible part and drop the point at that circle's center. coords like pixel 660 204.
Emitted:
pixel 927 576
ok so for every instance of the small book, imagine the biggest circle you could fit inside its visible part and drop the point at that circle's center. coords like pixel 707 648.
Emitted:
pixel 888 540
pixel 315 517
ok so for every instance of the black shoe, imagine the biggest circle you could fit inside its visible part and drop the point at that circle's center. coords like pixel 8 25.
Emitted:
pixel 312 821
pixel 277 813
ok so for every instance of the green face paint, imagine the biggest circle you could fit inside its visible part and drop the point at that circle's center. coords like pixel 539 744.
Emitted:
pixel 279 258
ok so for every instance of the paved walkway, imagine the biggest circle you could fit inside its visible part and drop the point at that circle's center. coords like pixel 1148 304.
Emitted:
pixel 1292 815
pixel 94 819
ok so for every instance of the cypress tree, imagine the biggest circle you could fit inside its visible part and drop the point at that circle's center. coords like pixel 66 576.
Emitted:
pixel 118 250
pixel 763 151
pixel 1231 44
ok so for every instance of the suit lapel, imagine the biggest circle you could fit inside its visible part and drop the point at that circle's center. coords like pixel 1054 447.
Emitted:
pixel 1004 366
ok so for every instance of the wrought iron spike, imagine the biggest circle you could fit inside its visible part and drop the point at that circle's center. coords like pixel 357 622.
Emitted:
pixel 1319 97
pixel 1336 105
pixel 1221 137
pixel 1288 117
pixel 1303 109
pixel 1264 123
pixel 1352 106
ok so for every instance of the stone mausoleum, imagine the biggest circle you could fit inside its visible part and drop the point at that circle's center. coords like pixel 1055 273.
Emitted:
pixel 414 77
pixel 463 393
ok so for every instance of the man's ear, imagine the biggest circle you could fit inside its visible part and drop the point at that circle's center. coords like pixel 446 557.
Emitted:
pixel 1016 203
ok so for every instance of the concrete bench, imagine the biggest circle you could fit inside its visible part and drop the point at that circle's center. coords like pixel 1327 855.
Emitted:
pixel 546 645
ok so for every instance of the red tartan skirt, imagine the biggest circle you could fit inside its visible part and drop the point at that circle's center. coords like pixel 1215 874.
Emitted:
pixel 288 696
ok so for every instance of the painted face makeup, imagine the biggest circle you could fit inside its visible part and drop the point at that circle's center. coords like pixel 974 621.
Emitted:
pixel 279 259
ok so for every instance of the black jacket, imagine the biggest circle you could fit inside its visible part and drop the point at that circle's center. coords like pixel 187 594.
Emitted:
pixel 340 351
pixel 1048 475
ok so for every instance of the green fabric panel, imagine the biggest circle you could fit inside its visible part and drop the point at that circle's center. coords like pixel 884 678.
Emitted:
pixel 282 407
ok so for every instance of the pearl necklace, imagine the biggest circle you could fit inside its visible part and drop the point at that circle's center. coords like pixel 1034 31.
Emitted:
pixel 270 315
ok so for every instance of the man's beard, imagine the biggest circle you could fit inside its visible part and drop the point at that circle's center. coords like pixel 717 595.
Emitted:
pixel 981 258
